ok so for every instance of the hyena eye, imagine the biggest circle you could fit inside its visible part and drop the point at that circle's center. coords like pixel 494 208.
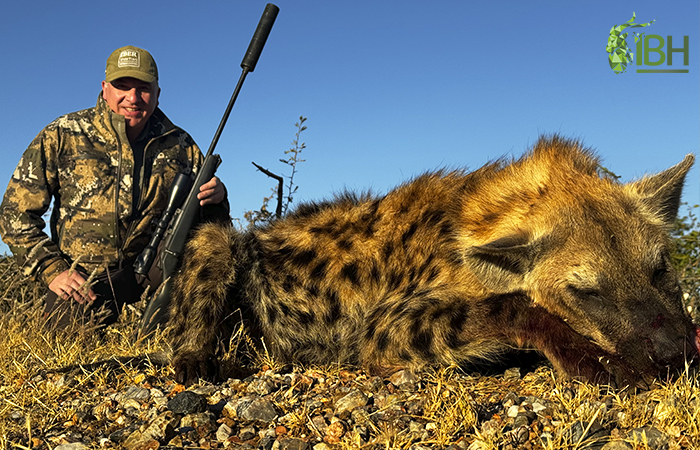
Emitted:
pixel 585 293
pixel 659 275
pixel 660 278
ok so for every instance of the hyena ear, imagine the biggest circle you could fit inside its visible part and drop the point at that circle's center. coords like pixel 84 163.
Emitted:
pixel 502 264
pixel 662 192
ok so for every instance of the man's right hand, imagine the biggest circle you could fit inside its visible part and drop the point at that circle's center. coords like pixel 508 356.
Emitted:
pixel 68 285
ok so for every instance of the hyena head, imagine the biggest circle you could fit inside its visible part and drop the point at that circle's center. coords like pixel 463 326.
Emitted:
pixel 592 251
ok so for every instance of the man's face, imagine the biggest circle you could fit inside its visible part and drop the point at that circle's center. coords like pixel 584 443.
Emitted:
pixel 132 98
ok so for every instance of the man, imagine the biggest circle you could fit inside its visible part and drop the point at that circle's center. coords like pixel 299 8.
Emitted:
pixel 108 170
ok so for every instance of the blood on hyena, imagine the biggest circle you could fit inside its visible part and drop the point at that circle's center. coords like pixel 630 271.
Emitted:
pixel 545 252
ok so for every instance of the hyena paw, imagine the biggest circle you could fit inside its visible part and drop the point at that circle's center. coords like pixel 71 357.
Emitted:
pixel 605 370
pixel 190 367
pixel 384 371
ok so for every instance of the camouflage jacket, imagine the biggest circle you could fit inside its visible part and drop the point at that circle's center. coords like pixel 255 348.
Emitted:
pixel 84 162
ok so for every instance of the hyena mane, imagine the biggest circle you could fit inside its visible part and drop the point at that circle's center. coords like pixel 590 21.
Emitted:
pixel 450 267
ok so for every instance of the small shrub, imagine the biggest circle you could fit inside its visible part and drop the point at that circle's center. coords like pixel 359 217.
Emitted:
pixel 686 259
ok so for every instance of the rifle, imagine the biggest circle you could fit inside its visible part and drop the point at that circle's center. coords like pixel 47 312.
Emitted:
pixel 177 221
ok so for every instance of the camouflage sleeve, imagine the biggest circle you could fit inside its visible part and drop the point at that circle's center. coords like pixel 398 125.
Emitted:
pixel 27 198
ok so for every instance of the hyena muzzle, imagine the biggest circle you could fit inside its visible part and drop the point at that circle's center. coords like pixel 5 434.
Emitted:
pixel 546 252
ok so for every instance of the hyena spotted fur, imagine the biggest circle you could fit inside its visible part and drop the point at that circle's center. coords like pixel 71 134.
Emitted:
pixel 545 252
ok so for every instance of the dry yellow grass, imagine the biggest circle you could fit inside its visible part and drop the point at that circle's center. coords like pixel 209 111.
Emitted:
pixel 454 402
pixel 28 350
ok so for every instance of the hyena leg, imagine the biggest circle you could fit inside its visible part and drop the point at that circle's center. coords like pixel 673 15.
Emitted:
pixel 200 310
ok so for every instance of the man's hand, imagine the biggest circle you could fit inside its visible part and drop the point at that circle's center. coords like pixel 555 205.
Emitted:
pixel 68 285
pixel 212 192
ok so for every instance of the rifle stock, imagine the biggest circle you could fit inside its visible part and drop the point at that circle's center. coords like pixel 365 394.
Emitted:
pixel 184 217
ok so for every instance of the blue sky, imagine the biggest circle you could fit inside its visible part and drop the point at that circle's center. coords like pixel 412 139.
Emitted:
pixel 390 89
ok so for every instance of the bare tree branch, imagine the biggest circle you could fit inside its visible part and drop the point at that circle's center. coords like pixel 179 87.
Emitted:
pixel 280 188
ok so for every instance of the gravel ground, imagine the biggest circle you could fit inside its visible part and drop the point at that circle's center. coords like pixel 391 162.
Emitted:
pixel 290 408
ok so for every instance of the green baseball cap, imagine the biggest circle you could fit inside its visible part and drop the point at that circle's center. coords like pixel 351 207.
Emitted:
pixel 132 62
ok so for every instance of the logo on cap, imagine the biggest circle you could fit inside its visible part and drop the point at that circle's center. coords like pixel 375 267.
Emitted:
pixel 129 58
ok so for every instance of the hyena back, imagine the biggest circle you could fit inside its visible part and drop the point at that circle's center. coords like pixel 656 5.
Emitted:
pixel 544 252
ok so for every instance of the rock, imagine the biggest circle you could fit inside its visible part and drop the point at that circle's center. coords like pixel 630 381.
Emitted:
pixel 266 443
pixel 176 442
pixel 72 446
pixel 260 410
pixel 513 411
pixel 594 438
pixel 131 406
pixel 247 433
pixel 360 434
pixel 206 391
pixel 250 408
pixel 155 392
pixel 160 402
pixel 667 408
pixel 137 441
pixel 223 432
pixel 510 399
pixel 345 405
pixel 318 423
pixel 650 436
pixel 335 432
pixel 512 374
pixel 521 420
pixel 197 420
pixel 187 402
pixel 479 445
pixel 460 445
pixel 404 379
pixel 416 428
pixel 519 435
pixel 291 444
pixel 490 428
pixel 162 428
pixel 137 393
pixel 261 387
pixel 375 384
pixel 531 416
pixel 415 407
pixel 230 409
pixel 119 436
pixel 539 408
pixel 617 445
pixel 360 416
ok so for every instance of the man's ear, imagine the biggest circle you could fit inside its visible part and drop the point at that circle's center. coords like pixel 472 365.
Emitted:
pixel 157 93
pixel 661 193
pixel 501 265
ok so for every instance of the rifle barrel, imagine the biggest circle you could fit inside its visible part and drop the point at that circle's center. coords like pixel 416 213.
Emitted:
pixel 181 224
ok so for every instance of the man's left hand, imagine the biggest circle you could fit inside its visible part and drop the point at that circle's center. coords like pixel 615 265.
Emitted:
pixel 212 192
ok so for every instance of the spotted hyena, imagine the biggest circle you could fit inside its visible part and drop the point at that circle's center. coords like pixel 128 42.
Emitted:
pixel 543 252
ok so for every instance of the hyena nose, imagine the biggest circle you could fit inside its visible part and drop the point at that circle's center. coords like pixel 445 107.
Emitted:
pixel 692 346
pixel 667 351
